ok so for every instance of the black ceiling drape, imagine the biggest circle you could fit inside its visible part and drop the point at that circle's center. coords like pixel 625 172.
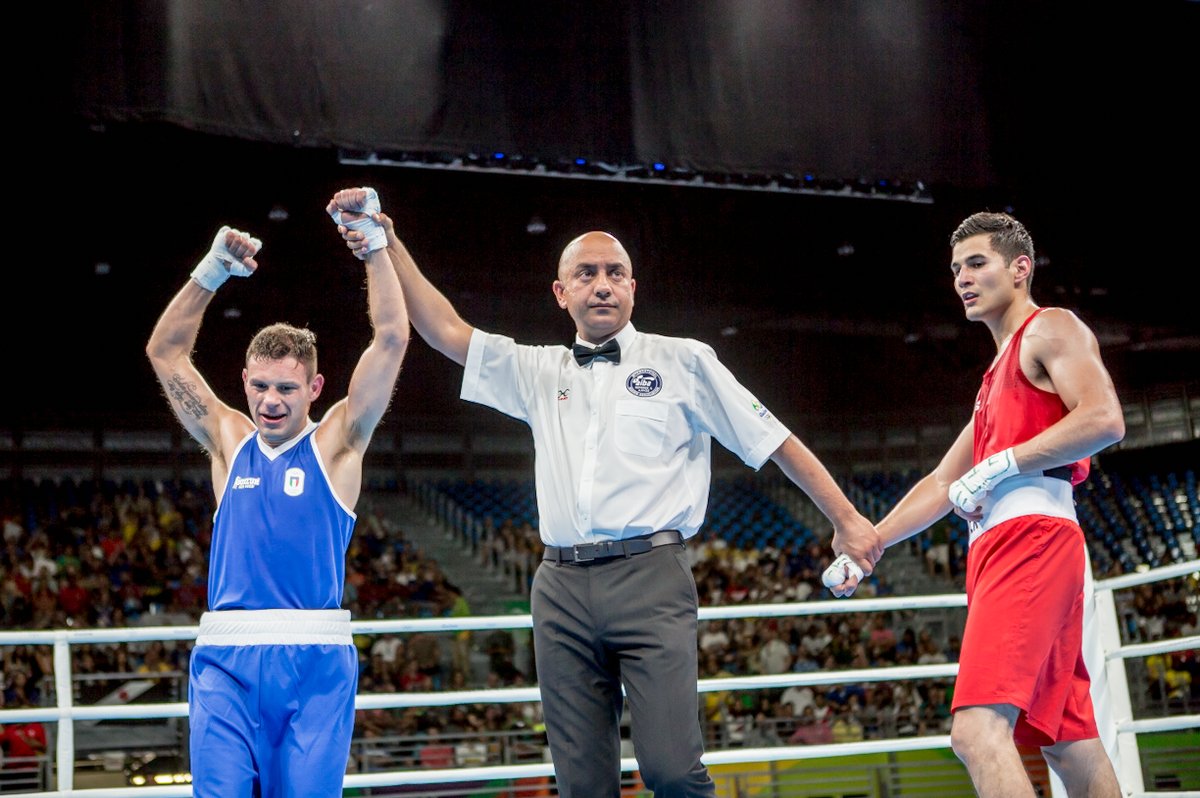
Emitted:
pixel 838 88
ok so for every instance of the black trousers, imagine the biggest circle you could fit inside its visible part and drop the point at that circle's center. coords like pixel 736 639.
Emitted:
pixel 625 621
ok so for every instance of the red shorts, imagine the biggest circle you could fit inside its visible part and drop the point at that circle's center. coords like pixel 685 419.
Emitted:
pixel 1023 640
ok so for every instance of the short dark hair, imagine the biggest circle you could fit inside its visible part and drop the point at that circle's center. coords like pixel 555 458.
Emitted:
pixel 1006 235
pixel 277 341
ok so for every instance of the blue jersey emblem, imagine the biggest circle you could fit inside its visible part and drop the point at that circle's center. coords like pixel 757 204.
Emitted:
pixel 644 382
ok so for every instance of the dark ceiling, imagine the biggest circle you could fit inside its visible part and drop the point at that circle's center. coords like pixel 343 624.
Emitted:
pixel 822 304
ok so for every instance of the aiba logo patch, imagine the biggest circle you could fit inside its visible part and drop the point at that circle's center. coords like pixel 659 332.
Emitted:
pixel 293 481
pixel 644 382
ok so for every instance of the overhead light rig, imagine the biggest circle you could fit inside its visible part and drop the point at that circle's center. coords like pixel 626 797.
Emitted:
pixel 652 173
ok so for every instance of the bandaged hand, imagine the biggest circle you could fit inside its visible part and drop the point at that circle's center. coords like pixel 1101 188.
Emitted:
pixel 223 262
pixel 837 571
pixel 374 234
pixel 968 491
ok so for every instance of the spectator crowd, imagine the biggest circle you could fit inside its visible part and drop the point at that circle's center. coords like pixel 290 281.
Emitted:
pixel 87 556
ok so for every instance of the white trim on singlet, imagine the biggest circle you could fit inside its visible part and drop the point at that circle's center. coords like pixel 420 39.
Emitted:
pixel 1026 494
pixel 275 628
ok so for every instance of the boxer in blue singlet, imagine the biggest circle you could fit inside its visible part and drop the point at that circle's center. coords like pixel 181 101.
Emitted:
pixel 274 672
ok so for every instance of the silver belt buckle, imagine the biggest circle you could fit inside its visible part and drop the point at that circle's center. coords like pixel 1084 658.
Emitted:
pixel 580 547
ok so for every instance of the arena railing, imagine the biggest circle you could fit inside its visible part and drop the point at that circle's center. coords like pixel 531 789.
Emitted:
pixel 1106 657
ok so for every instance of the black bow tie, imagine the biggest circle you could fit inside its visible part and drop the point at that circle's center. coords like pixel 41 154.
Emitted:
pixel 609 350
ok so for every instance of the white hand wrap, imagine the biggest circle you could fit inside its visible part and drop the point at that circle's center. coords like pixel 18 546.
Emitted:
pixel 374 232
pixel 211 272
pixel 835 574
pixel 968 492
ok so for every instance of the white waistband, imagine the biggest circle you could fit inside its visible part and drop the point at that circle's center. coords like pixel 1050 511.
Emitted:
pixel 1026 494
pixel 275 628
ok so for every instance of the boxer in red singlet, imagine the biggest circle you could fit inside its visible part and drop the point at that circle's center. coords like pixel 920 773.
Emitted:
pixel 1047 404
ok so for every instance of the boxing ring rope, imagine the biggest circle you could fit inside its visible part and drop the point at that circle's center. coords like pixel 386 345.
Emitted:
pixel 1114 654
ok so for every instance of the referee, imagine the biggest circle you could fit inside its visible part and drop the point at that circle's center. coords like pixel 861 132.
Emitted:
pixel 622 423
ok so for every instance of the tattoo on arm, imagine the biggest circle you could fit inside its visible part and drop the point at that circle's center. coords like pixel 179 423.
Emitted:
pixel 184 395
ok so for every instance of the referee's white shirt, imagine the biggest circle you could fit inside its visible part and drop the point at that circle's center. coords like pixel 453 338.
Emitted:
pixel 621 449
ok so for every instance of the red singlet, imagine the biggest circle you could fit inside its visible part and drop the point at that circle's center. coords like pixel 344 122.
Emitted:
pixel 1010 409
pixel 1025 573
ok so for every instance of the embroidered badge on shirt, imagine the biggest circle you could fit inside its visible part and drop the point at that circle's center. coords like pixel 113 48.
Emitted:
pixel 644 382
pixel 564 394
pixel 762 411
pixel 293 481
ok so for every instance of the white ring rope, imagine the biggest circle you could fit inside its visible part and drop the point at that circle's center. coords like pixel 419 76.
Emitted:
pixel 1170 723
pixel 1156 647
pixel 67 713
pixel 1146 577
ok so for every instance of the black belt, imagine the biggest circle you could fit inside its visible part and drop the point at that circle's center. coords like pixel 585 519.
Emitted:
pixel 584 553
pixel 1062 472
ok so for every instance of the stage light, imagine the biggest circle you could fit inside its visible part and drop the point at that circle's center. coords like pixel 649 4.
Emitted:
pixel 582 167
pixel 681 173
pixel 586 166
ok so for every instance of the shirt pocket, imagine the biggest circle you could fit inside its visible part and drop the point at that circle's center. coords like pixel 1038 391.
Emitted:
pixel 641 426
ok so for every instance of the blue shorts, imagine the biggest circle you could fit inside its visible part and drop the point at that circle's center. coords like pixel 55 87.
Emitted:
pixel 271 721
